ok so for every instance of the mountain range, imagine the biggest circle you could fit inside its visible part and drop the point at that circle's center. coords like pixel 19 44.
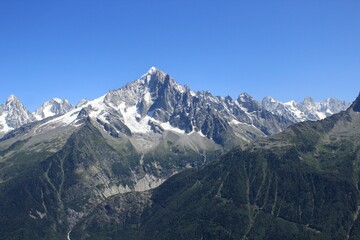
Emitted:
pixel 90 171
pixel 302 183
pixel 243 110
pixel 13 113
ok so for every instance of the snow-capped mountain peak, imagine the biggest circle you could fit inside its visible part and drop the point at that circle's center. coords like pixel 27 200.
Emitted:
pixel 58 100
pixel 248 103
pixel 244 97
pixel 13 115
pixel 12 98
pixel 152 73
pixel 156 75
pixel 152 70
pixel 55 106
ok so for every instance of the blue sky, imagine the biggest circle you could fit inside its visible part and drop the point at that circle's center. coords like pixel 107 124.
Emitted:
pixel 81 49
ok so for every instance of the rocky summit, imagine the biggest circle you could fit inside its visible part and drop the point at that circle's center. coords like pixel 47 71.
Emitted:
pixel 13 115
pixel 52 107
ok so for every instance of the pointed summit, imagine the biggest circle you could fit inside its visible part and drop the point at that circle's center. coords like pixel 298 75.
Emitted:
pixel 153 73
pixel 13 114
pixel 12 98
pixel 54 106
pixel 58 100
pixel 13 102
pixel 245 97
pixel 153 70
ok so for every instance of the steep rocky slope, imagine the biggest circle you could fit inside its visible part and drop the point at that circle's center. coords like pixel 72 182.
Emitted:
pixel 300 184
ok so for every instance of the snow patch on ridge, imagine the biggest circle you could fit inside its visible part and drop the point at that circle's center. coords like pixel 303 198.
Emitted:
pixel 132 119
pixel 147 97
pixel 166 126
pixel 3 123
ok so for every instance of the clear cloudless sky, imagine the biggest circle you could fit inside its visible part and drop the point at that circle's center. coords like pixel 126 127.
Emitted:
pixel 81 49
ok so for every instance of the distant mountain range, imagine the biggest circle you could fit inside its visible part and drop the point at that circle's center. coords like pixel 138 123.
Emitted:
pixel 308 110
pixel 178 106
